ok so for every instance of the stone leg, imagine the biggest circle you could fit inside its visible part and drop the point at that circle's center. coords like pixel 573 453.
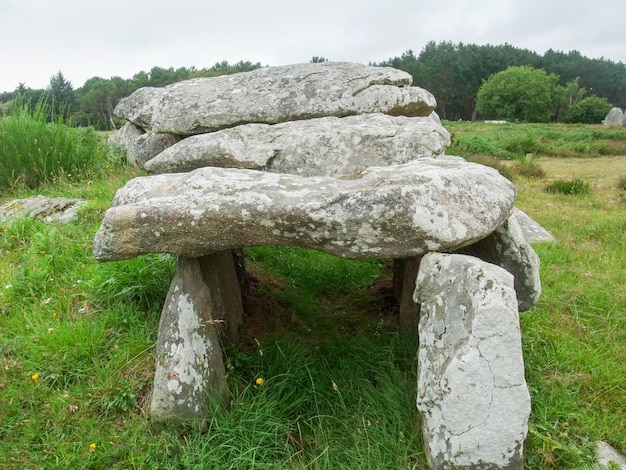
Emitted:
pixel 472 394
pixel 220 274
pixel 405 272
pixel 190 373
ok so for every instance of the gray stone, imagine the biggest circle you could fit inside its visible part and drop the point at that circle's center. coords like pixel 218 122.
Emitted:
pixel 140 146
pixel 315 147
pixel 275 94
pixel 48 209
pixel 506 247
pixel 607 455
pixel 386 212
pixel 220 273
pixel 615 117
pixel 404 275
pixel 190 376
pixel 472 394
pixel 533 232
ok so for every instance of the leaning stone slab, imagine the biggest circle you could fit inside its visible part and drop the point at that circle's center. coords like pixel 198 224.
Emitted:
pixel 48 209
pixel 189 365
pixel 472 395
pixel 506 247
pixel 140 146
pixel 386 212
pixel 533 232
pixel 275 94
pixel 316 147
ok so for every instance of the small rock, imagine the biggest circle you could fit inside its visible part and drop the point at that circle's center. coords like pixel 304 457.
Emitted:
pixel 607 455
pixel 56 209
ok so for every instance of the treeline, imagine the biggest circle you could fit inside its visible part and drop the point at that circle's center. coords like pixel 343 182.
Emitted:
pixel 93 103
pixel 453 73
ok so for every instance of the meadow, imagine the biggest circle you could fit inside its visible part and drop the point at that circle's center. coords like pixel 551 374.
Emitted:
pixel 338 376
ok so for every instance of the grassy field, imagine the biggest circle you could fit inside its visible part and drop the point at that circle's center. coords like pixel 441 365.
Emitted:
pixel 77 337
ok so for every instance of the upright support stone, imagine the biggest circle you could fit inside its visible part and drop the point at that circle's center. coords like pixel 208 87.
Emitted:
pixel 220 275
pixel 405 272
pixel 472 395
pixel 189 365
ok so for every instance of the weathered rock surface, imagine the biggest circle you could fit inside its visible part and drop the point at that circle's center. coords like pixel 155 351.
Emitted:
pixel 189 366
pixel 387 212
pixel 275 94
pixel 316 147
pixel 615 117
pixel 533 232
pixel 141 146
pixel 506 247
pixel 607 455
pixel 48 209
pixel 472 394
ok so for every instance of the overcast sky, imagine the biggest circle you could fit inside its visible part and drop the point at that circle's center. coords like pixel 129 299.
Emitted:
pixel 83 38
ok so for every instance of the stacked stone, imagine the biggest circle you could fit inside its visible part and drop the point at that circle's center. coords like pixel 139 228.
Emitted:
pixel 347 159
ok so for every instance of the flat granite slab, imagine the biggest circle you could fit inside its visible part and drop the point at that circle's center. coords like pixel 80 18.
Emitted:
pixel 397 211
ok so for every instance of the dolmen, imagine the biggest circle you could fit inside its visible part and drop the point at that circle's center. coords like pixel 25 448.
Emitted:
pixel 349 160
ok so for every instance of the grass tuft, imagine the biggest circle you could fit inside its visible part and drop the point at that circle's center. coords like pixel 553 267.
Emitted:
pixel 572 187
pixel 34 151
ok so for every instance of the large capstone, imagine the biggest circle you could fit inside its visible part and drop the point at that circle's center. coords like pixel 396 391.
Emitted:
pixel 386 212
pixel 275 94
pixel 472 394
pixel 315 147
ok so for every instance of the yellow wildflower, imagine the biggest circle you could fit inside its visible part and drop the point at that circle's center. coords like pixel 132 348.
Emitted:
pixel 92 447
pixel 34 377
pixel 259 381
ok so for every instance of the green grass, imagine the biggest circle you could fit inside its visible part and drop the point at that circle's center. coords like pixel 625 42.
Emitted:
pixel 513 141
pixel 339 378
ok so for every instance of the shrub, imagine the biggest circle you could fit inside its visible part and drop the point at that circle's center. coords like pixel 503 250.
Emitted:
pixel 570 187
pixel 591 110
pixel 33 150
pixel 529 169
pixel 521 144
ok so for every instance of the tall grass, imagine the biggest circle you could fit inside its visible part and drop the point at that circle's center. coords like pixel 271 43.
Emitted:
pixel 34 151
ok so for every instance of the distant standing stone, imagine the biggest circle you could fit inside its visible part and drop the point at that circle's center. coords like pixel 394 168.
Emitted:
pixel 615 117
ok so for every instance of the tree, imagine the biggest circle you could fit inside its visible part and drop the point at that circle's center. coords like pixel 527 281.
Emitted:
pixel 97 99
pixel 318 59
pixel 521 93
pixel 60 95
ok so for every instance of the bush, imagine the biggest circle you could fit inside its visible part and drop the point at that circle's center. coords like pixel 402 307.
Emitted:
pixel 591 110
pixel 34 151
pixel 529 169
pixel 570 187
